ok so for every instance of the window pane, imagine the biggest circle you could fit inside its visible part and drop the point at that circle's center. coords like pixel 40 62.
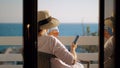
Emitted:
pixel 77 17
pixel 11 33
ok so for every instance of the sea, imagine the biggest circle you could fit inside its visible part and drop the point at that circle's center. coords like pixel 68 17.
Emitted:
pixel 65 29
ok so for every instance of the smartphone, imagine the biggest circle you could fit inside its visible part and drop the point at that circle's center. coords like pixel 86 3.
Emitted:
pixel 76 38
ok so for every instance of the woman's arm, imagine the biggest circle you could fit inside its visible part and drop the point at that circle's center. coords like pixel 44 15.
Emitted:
pixel 61 52
pixel 108 49
pixel 73 48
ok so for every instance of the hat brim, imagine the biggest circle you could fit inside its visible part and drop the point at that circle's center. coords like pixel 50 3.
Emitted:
pixel 53 23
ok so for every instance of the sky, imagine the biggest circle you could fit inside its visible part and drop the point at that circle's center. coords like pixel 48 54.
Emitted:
pixel 72 10
pixel 65 10
pixel 11 11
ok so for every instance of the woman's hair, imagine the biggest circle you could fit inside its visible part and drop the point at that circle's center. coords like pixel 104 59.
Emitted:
pixel 38 29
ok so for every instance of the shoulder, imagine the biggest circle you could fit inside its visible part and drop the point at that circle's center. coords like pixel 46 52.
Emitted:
pixel 52 37
pixel 111 39
pixel 48 38
pixel 56 40
pixel 109 43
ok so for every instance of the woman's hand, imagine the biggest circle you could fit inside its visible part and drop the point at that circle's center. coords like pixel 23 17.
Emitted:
pixel 73 46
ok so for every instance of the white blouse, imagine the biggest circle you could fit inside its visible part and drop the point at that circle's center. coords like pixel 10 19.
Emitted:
pixel 51 45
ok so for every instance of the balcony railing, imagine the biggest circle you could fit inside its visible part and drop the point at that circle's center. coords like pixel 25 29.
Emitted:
pixel 66 40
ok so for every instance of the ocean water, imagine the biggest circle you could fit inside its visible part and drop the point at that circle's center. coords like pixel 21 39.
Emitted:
pixel 12 29
pixel 76 29
pixel 65 29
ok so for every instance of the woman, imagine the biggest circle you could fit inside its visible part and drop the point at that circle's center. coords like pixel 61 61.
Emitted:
pixel 109 47
pixel 51 45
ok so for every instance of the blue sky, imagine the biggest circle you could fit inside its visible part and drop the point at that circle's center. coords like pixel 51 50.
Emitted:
pixel 72 10
pixel 64 10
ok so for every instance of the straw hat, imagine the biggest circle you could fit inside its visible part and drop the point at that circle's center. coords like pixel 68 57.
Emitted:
pixel 109 24
pixel 109 21
pixel 45 21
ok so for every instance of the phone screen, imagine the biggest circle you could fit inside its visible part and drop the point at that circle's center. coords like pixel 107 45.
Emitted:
pixel 76 38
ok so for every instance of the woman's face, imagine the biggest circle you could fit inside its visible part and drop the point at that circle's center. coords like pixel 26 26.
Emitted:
pixel 106 34
pixel 54 33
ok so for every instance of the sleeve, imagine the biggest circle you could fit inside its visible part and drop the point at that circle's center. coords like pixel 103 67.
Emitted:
pixel 108 49
pixel 60 51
